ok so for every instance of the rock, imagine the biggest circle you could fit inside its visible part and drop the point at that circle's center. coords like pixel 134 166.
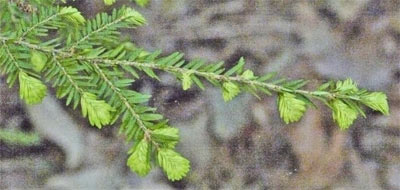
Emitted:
pixel 320 162
pixel 393 176
pixel 14 122
pixel 103 166
pixel 195 141
pixel 151 181
pixel 364 173
pixel 373 141
pixel 10 105
pixel 347 10
pixel 177 104
pixel 391 121
pixel 26 172
pixel 54 123
pixel 314 32
pixel 261 114
pixel 341 52
pixel 94 178
pixel 337 66
pixel 228 117
pixel 395 22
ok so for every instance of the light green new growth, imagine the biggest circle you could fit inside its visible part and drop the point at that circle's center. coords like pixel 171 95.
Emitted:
pixel 38 60
pixel 343 114
pixel 173 164
pixel 72 15
pixel 139 161
pixel 98 111
pixel 109 2
pixel 31 89
pixel 376 101
pixel 141 3
pixel 85 61
pixel 291 108
pixel 230 91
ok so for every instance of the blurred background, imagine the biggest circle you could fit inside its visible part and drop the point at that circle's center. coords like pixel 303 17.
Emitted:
pixel 241 144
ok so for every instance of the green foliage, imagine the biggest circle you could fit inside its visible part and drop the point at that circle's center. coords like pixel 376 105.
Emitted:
pixel 72 15
pixel 98 111
pixel 9 64
pixel 346 104
pixel 38 60
pixel 14 137
pixel 376 101
pixel 88 62
pixel 343 114
pixel 31 89
pixel 230 90
pixel 347 86
pixel 142 3
pixel 134 17
pixel 168 135
pixel 173 164
pixel 291 109
pixel 139 160
pixel 248 74
pixel 109 2
pixel 186 81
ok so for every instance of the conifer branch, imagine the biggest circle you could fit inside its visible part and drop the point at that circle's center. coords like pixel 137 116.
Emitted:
pixel 223 78
pixel 11 56
pixel 180 69
pixel 107 26
pixel 98 112
pixel 32 90
pixel 172 69
pixel 40 23
pixel 117 91
pixel 67 75
pixel 88 35
pixel 86 62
